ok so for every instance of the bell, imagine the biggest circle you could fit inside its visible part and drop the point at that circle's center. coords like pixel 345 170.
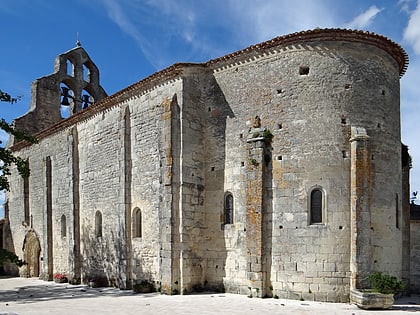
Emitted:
pixel 86 101
pixel 65 101
pixel 65 95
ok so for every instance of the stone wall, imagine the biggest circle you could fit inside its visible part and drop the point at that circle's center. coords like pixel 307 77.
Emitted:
pixel 170 148
pixel 310 115
pixel 414 256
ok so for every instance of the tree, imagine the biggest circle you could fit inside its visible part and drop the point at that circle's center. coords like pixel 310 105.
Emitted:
pixel 7 158
pixel 7 256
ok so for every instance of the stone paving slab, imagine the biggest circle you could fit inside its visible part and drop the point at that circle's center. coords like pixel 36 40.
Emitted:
pixel 23 296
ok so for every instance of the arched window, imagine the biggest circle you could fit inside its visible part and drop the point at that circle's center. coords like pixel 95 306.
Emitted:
pixel 137 226
pixel 228 208
pixel 98 224
pixel 63 226
pixel 87 99
pixel 67 100
pixel 86 73
pixel 69 68
pixel 316 206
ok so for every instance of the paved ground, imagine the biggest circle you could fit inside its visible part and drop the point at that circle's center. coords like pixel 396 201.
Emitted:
pixel 32 296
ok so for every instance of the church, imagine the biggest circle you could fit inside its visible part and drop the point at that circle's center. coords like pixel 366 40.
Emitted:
pixel 276 170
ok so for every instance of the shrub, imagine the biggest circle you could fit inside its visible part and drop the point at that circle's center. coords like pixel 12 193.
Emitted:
pixel 386 284
pixel 144 287
pixel 7 256
pixel 268 136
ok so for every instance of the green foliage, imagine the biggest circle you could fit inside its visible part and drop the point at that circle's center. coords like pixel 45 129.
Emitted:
pixel 386 284
pixel 6 156
pixel 253 162
pixel 5 97
pixel 268 136
pixel 6 256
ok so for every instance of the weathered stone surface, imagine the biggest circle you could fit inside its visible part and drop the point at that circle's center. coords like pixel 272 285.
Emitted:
pixel 174 144
pixel 371 300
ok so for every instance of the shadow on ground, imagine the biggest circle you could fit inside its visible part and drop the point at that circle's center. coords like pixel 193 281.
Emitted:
pixel 407 303
pixel 55 291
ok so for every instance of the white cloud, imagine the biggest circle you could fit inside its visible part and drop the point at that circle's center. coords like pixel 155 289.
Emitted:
pixel 119 17
pixel 412 31
pixel 364 19
pixel 123 20
pixel 256 21
pixel 199 24
pixel 405 5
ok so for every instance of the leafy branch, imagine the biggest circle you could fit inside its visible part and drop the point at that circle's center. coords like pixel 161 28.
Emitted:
pixel 7 158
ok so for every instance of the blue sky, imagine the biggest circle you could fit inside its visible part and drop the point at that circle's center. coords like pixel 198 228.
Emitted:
pixel 131 39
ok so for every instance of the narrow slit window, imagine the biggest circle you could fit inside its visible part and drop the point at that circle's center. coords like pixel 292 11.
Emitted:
pixel 63 226
pixel 137 223
pixel 316 206
pixel 98 224
pixel 228 209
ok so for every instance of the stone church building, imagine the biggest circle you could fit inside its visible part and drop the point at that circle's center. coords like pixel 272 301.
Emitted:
pixel 274 170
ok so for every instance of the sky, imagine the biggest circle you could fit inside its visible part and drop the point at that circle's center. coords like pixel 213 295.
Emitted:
pixel 131 39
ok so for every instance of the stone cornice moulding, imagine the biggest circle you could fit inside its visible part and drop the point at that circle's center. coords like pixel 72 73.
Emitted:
pixel 174 72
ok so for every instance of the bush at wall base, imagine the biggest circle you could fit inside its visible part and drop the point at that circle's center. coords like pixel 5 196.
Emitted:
pixel 144 287
pixel 381 295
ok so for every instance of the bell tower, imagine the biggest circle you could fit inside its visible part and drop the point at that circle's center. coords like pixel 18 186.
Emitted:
pixel 73 87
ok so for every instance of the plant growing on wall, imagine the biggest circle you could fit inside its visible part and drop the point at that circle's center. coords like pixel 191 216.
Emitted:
pixel 268 136
pixel 253 162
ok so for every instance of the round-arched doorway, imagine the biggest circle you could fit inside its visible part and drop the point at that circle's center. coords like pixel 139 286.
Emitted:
pixel 31 253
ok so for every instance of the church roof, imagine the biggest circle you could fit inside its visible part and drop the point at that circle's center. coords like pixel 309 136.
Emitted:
pixel 330 34
pixel 174 71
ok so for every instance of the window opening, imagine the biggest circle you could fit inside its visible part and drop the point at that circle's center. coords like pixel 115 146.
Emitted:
pixel 87 99
pixel 304 70
pixel 86 73
pixel 228 209
pixel 67 99
pixel 98 224
pixel 69 68
pixel 137 224
pixel 63 226
pixel 316 206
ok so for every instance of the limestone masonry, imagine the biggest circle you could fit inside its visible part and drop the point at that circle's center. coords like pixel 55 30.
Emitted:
pixel 273 171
